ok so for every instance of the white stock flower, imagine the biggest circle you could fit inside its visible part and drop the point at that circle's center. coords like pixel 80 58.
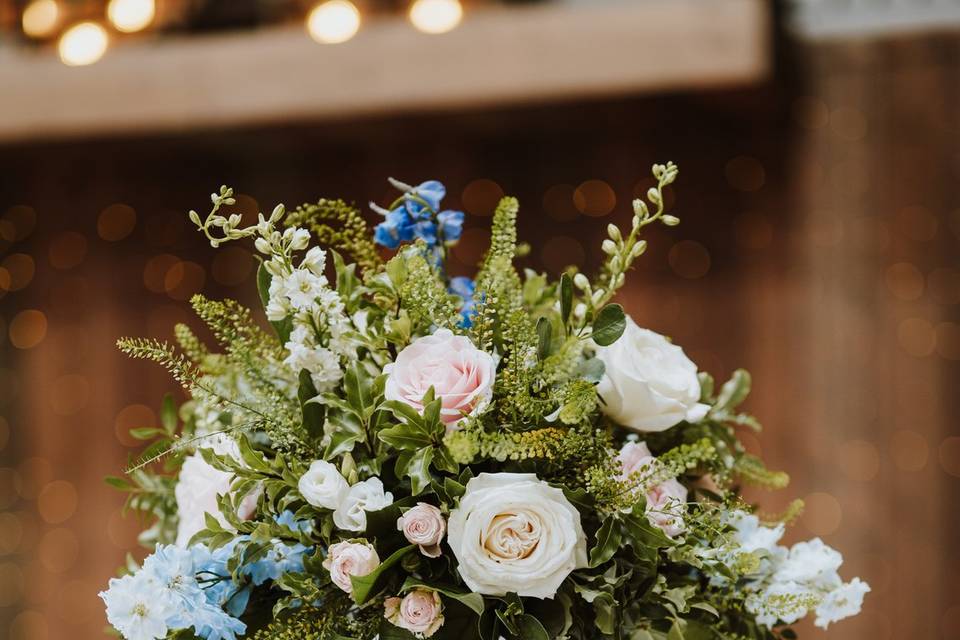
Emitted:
pixel 346 559
pixel 303 288
pixel 514 533
pixel 323 486
pixel 351 514
pixel 648 383
pixel 843 602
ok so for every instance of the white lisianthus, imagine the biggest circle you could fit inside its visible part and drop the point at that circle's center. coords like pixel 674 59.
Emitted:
pixel 648 384
pixel 323 486
pixel 351 514
pixel 515 533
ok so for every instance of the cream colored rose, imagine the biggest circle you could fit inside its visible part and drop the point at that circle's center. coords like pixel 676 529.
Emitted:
pixel 423 525
pixel 420 612
pixel 515 533
pixel 345 559
pixel 351 514
pixel 648 384
pixel 461 375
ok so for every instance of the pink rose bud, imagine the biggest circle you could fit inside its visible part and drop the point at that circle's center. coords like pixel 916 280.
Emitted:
pixel 420 612
pixel 634 457
pixel 425 527
pixel 346 559
pixel 461 375
pixel 666 506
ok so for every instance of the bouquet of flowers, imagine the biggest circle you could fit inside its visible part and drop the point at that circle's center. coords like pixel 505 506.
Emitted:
pixel 403 454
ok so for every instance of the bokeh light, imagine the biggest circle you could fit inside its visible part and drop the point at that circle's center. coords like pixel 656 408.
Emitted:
pixel 949 455
pixel 58 550
pixel 183 279
pixel 904 280
pixel 40 18
pixel 116 222
pixel 558 203
pixel 916 223
pixel 909 450
pixel 753 231
pixel 83 44
pixel 155 271
pixel 916 336
pixel 333 21
pixel 57 502
pixel 810 113
pixel 133 416
pixel 480 197
pixel 594 198
pixel 822 514
pixel 17 223
pixel 435 16
pixel 17 271
pixel 559 252
pixel 689 259
pixel 859 460
pixel 232 266
pixel 28 329
pixel 473 243
pixel 130 16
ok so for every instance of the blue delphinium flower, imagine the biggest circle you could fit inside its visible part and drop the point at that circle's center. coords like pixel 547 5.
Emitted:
pixel 290 521
pixel 282 558
pixel 417 215
pixel 464 288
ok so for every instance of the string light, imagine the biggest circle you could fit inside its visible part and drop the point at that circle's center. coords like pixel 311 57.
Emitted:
pixel 83 44
pixel 130 16
pixel 436 16
pixel 333 21
pixel 40 18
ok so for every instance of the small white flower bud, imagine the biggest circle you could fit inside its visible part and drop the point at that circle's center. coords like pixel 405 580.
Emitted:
pixel 262 245
pixel 581 281
pixel 609 247
pixel 670 221
pixel 653 195
pixel 277 213
pixel 614 232
pixel 638 249
pixel 597 297
pixel 620 280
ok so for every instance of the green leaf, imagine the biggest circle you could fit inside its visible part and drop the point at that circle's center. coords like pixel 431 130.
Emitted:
pixel 168 414
pixel 404 438
pixel 608 542
pixel 609 325
pixel 605 610
pixel 384 521
pixel 453 488
pixel 365 587
pixel 566 298
pixel 282 327
pixel 529 628
pixel 346 431
pixel 118 483
pixel 734 391
pixel 544 337
pixel 472 600
pixel 706 606
pixel 147 433
pixel 416 466
pixel 312 412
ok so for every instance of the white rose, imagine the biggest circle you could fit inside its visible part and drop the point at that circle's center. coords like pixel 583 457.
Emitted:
pixel 323 486
pixel 199 489
pixel 346 559
pixel 649 384
pixel 351 514
pixel 514 533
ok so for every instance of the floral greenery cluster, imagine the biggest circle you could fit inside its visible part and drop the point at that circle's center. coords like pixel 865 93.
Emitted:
pixel 405 454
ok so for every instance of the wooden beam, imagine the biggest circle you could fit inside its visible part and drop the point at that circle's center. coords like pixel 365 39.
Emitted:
pixel 497 56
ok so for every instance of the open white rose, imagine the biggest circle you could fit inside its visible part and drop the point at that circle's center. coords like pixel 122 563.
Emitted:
pixel 323 486
pixel 351 514
pixel 461 375
pixel 649 383
pixel 515 533
pixel 200 487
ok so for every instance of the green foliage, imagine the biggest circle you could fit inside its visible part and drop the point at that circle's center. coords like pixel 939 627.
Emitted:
pixel 338 225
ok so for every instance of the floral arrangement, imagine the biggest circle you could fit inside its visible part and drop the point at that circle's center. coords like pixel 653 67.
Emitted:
pixel 403 454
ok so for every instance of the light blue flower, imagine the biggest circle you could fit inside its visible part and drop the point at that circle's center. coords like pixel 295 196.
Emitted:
pixel 464 288
pixel 213 623
pixel 288 520
pixel 451 224
pixel 282 558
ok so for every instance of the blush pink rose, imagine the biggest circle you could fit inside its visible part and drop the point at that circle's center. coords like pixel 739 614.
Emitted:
pixel 461 375
pixel 666 505
pixel 345 559
pixel 423 526
pixel 420 612
pixel 634 457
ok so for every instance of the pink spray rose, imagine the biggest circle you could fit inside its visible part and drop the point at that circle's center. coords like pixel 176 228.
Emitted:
pixel 423 526
pixel 345 559
pixel 666 502
pixel 461 375
pixel 420 612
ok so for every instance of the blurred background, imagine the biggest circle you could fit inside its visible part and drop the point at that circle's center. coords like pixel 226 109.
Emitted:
pixel 819 148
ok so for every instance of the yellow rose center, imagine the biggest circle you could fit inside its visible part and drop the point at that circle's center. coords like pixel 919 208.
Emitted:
pixel 511 536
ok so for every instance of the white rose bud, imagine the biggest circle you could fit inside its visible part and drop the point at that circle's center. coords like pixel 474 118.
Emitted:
pixel 346 559
pixel 648 384
pixel 323 486
pixel 423 526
